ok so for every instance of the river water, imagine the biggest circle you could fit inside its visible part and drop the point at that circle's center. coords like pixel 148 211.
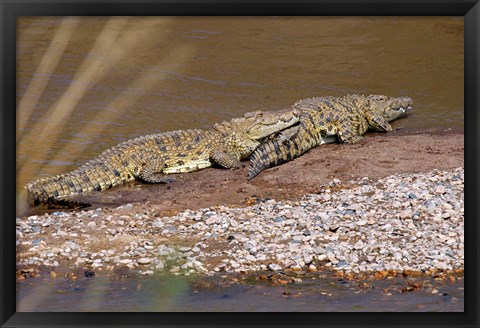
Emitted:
pixel 317 293
pixel 86 84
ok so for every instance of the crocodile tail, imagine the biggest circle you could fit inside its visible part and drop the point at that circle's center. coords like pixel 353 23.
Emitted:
pixel 42 199
pixel 51 202
pixel 51 192
pixel 64 203
pixel 273 153
pixel 286 146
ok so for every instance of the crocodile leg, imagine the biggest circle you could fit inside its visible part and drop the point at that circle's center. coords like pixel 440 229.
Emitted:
pixel 346 131
pixel 377 122
pixel 152 171
pixel 225 160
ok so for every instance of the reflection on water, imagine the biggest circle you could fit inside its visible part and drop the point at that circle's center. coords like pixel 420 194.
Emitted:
pixel 172 293
pixel 85 84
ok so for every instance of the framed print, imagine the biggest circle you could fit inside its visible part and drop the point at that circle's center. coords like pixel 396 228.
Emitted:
pixel 190 163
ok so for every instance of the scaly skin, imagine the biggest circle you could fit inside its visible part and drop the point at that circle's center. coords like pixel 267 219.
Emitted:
pixel 325 120
pixel 149 158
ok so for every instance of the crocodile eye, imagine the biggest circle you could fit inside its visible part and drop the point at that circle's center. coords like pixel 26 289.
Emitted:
pixel 380 98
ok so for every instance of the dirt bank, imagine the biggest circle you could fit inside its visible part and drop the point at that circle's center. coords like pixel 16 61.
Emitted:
pixel 376 156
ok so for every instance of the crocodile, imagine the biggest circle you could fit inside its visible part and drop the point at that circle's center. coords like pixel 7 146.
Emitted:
pixel 150 158
pixel 326 120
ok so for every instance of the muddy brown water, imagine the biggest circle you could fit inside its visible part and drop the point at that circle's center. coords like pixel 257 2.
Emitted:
pixel 320 293
pixel 86 84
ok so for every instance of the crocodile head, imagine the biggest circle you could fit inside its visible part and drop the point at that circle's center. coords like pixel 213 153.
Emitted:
pixel 258 125
pixel 391 108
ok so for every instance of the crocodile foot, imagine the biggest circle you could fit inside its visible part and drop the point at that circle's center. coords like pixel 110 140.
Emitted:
pixel 156 179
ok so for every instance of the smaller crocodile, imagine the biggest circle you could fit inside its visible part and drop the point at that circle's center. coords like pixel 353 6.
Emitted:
pixel 326 120
pixel 149 158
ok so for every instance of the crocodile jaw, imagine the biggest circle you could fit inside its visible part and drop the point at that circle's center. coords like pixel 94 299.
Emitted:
pixel 405 110
pixel 392 114
pixel 264 129
pixel 391 108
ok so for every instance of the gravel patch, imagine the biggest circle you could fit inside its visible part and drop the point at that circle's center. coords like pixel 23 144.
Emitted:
pixel 407 223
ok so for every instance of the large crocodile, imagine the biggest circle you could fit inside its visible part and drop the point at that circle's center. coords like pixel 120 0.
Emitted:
pixel 325 120
pixel 149 158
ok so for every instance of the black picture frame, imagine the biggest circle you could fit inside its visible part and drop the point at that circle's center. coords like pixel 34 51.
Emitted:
pixel 10 10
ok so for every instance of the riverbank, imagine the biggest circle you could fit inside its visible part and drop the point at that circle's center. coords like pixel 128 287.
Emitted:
pixel 353 215
pixel 408 223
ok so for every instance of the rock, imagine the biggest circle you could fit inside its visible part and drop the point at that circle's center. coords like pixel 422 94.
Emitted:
pixel 319 250
pixel 440 265
pixel 341 264
pixel 89 273
pixel 334 227
pixel 297 268
pixel 160 265
pixel 274 267
pixel 405 214
pixel 144 260
pixel 199 267
pixel 358 245
pixel 322 257
pixel 308 259
pixel 312 268
pixel 279 219
pixel 412 272
pixel 211 220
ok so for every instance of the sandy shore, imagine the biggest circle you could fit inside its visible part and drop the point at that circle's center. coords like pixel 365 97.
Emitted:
pixel 128 219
